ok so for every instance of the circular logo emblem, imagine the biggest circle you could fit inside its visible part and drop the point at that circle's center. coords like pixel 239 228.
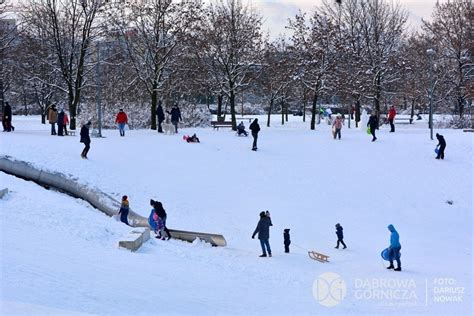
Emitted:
pixel 329 289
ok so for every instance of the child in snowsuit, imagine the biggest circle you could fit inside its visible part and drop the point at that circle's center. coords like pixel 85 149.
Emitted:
pixel 124 208
pixel 241 129
pixel 286 240
pixel 192 139
pixel 373 123
pixel 340 236
pixel 441 145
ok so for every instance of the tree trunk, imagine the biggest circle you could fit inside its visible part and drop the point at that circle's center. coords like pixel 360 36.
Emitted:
pixel 357 111
pixel 305 103
pixel 232 108
pixel 282 103
pixel 269 112
pixel 412 112
pixel 219 106
pixel 378 94
pixel 154 102
pixel 313 111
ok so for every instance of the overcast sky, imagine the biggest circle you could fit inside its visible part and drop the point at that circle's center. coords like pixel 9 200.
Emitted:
pixel 277 12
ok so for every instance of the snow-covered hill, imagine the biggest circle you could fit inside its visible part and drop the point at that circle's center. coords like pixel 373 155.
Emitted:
pixel 59 255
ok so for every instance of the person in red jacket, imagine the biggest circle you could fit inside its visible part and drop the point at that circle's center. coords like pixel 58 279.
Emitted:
pixel 391 117
pixel 121 120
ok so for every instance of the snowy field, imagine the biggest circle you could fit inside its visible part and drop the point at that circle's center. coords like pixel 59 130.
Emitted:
pixel 59 256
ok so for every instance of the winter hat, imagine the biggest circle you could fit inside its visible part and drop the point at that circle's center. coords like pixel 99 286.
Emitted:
pixel 286 230
pixel 391 227
pixel 262 214
pixel 152 202
pixel 124 198
pixel 337 225
pixel 89 123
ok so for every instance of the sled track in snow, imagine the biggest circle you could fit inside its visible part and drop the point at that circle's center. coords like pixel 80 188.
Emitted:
pixel 98 199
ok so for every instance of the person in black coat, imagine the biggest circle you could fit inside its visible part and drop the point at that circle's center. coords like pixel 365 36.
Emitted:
pixel 61 123
pixel 124 209
pixel 7 118
pixel 255 128
pixel 85 138
pixel 161 116
pixel 175 117
pixel 286 240
pixel 160 211
pixel 263 230
pixel 373 124
pixel 441 145
pixel 340 236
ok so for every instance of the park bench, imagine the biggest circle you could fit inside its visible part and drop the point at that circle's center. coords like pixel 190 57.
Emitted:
pixel 318 256
pixel 244 118
pixel 217 124
pixel 403 120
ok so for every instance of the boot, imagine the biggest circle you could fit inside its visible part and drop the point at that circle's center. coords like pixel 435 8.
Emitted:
pixel 337 247
pixel 263 256
pixel 270 255
pixel 390 266
pixel 398 269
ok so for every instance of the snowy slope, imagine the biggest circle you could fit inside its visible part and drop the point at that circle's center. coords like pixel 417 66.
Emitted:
pixel 59 255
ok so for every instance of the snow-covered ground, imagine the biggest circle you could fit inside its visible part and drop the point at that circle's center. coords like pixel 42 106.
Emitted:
pixel 59 256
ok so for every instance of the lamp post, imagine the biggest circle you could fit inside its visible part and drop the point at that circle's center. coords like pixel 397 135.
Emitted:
pixel 430 52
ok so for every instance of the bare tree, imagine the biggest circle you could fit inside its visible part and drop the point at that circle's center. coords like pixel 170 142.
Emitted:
pixel 276 74
pixel 316 48
pixel 152 30
pixel 452 34
pixel 71 27
pixel 232 40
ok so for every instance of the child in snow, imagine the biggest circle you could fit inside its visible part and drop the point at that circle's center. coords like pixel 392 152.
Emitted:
pixel 337 126
pixel 241 129
pixel 124 208
pixel 340 236
pixel 192 139
pixel 263 230
pixel 286 240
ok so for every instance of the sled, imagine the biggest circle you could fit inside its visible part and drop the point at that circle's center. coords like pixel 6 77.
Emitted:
pixel 318 256
pixel 386 255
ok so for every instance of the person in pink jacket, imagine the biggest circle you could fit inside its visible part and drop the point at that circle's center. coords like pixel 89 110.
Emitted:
pixel 337 126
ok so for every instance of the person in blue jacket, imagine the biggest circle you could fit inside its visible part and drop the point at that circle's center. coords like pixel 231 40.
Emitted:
pixel 263 230
pixel 394 249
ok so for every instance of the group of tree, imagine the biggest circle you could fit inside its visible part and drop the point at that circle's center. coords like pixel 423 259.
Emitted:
pixel 148 52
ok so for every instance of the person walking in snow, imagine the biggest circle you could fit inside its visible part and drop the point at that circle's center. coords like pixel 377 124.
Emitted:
pixel 124 209
pixel 286 240
pixel 53 118
pixel 85 138
pixel 61 123
pixel 373 124
pixel 391 117
pixel 121 120
pixel 160 116
pixel 7 118
pixel 394 249
pixel 175 117
pixel 340 236
pixel 441 146
pixel 263 230
pixel 65 123
pixel 337 125
pixel 255 128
